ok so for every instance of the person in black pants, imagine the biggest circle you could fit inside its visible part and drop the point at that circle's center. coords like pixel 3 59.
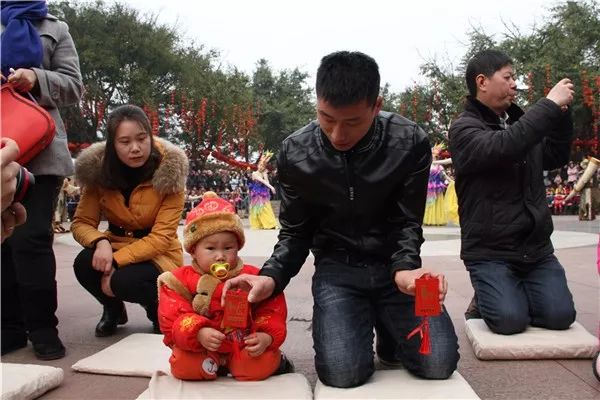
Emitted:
pixel 499 153
pixel 137 182
pixel 38 58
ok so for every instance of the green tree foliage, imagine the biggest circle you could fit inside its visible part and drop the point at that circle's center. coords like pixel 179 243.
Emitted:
pixel 124 57
pixel 567 44
pixel 127 57
pixel 283 100
pixel 191 98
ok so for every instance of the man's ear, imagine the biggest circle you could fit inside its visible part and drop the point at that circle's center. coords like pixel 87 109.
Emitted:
pixel 378 104
pixel 481 82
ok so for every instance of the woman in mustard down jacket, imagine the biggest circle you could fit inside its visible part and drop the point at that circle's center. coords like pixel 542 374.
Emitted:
pixel 136 181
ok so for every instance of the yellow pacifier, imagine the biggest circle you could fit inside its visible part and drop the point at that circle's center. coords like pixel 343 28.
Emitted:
pixel 219 270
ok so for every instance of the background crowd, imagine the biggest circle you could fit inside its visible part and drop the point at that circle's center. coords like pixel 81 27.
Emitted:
pixel 229 184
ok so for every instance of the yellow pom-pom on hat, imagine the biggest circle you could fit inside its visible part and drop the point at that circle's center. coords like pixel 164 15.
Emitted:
pixel 213 215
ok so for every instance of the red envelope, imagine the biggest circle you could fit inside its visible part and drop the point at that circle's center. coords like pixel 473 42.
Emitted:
pixel 427 296
pixel 236 309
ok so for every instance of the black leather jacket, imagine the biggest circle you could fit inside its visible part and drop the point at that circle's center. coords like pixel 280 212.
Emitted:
pixel 367 201
pixel 499 179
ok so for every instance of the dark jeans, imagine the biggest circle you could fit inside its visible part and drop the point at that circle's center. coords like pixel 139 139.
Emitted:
pixel 29 297
pixel 351 297
pixel 511 296
pixel 134 283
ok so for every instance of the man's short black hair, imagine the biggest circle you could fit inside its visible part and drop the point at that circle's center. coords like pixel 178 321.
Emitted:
pixel 486 62
pixel 346 78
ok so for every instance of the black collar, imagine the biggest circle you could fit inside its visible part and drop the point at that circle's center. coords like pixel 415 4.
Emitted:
pixel 363 144
pixel 490 117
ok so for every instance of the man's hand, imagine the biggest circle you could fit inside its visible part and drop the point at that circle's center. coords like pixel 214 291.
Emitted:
pixel 9 153
pixel 562 93
pixel 12 217
pixel 103 257
pixel 210 338
pixel 257 343
pixel 405 280
pixel 259 287
pixel 24 79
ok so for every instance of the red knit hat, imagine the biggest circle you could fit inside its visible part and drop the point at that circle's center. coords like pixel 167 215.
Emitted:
pixel 212 215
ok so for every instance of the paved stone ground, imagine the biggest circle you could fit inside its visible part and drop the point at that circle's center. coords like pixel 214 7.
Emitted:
pixel 544 379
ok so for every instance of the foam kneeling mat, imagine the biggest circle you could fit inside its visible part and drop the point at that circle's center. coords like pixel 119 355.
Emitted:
pixel 140 354
pixel 286 386
pixel 401 384
pixel 28 381
pixel 533 343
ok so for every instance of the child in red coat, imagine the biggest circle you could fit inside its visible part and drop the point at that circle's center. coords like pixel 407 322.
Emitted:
pixel 191 315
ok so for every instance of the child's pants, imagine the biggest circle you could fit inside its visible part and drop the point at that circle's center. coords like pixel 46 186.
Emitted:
pixel 190 365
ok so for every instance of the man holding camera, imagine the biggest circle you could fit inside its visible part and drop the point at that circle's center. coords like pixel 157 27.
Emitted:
pixel 499 153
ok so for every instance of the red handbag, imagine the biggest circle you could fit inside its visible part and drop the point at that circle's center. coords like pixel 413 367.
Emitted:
pixel 26 123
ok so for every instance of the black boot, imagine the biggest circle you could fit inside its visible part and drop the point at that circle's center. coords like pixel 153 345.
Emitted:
pixel 113 315
pixel 152 314
pixel 285 366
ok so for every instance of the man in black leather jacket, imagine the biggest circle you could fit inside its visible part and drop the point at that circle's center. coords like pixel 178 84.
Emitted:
pixel 353 187
pixel 499 153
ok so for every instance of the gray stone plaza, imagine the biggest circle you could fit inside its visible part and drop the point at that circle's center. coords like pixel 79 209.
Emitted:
pixel 575 242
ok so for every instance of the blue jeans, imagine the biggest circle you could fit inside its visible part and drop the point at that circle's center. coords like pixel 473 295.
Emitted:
pixel 351 297
pixel 511 296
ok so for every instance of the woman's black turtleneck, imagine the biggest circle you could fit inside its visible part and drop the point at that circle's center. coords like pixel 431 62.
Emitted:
pixel 133 177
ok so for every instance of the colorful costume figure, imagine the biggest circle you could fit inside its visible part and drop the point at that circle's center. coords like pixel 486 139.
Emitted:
pixel 452 204
pixel 435 205
pixel 190 299
pixel 261 212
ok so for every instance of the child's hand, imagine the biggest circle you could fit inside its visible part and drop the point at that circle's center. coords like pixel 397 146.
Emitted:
pixel 210 338
pixel 257 343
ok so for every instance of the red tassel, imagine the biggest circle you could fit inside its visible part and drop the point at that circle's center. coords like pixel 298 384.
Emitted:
pixel 423 330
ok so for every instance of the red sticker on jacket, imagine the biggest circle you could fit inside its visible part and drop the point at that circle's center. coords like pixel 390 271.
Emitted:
pixel 236 309
pixel 427 296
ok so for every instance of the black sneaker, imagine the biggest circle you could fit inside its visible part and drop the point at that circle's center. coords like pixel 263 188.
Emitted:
pixel 48 348
pixel 222 371
pixel 472 310
pixel 387 364
pixel 285 366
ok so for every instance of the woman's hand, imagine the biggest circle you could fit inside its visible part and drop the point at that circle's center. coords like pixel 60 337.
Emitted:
pixel 23 79
pixel 103 257
pixel 257 343
pixel 210 338
pixel 105 284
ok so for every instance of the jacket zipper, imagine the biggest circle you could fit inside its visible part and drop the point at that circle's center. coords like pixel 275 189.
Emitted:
pixel 349 180
pixel 350 183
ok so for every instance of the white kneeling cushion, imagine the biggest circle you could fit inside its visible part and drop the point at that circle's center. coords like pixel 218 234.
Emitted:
pixel 400 384
pixel 140 354
pixel 287 386
pixel 28 381
pixel 533 343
